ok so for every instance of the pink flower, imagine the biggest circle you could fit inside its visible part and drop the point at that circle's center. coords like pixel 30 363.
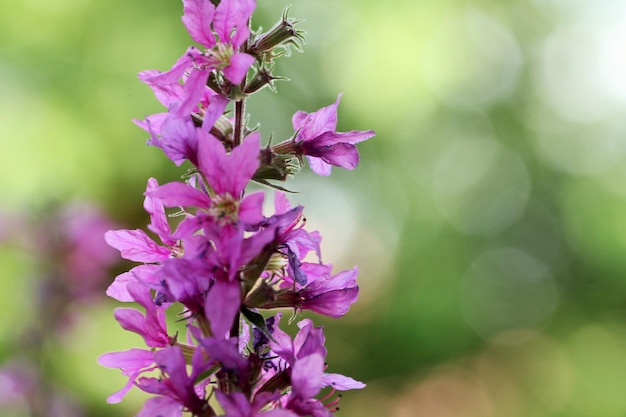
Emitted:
pixel 222 30
pixel 227 175
pixel 174 132
pixel 323 146
pixel 305 355
pixel 330 295
pixel 229 22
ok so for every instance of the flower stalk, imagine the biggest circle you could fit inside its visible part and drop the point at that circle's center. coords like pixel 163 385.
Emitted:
pixel 228 264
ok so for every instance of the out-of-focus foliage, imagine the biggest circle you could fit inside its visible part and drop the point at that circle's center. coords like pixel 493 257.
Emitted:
pixel 487 216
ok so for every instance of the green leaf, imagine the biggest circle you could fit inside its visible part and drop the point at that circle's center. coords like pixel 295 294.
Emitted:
pixel 258 321
pixel 274 186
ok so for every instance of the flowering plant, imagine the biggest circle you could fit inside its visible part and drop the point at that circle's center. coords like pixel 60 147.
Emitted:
pixel 226 261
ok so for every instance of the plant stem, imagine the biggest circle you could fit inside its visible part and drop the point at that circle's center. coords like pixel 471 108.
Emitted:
pixel 240 107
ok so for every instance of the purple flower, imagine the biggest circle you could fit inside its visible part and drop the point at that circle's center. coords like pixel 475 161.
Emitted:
pixel 186 281
pixel 297 242
pixel 229 22
pixel 136 245
pixel 330 295
pixel 323 146
pixel 226 260
pixel 305 356
pixel 158 219
pixel 176 389
pixel 227 175
pixel 176 136
pixel 309 340
pixel 227 353
pixel 323 293
pixel 175 132
pixel 221 306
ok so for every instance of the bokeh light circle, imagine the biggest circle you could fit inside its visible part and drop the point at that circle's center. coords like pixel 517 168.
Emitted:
pixel 507 289
pixel 480 187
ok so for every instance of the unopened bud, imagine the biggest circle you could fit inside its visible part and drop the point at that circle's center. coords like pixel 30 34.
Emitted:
pixel 282 34
pixel 223 129
pixel 275 167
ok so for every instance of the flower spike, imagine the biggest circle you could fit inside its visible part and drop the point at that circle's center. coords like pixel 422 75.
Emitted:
pixel 227 264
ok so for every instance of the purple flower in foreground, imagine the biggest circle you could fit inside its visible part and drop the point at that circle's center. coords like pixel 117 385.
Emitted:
pixel 309 341
pixel 175 133
pixel 323 293
pixel 227 175
pixel 305 355
pixel 226 261
pixel 330 295
pixel 323 146
pixel 229 21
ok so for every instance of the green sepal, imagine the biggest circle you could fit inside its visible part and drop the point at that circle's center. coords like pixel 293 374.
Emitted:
pixel 207 374
pixel 257 320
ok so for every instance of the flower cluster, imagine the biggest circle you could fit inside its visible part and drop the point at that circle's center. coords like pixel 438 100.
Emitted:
pixel 69 263
pixel 226 262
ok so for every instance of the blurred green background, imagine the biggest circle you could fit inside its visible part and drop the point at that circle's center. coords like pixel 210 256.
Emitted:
pixel 488 215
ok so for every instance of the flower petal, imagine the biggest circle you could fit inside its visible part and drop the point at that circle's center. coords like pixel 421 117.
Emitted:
pixel 178 194
pixel 251 208
pixel 239 66
pixel 162 407
pixel 314 124
pixel 136 245
pixel 221 306
pixel 229 173
pixel 141 273
pixel 232 16
pixel 341 382
pixel 197 18
pixel 306 376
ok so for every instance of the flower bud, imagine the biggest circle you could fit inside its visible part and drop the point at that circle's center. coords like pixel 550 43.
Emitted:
pixel 282 34
pixel 275 167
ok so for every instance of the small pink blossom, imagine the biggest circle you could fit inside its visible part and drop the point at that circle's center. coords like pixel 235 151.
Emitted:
pixel 323 146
